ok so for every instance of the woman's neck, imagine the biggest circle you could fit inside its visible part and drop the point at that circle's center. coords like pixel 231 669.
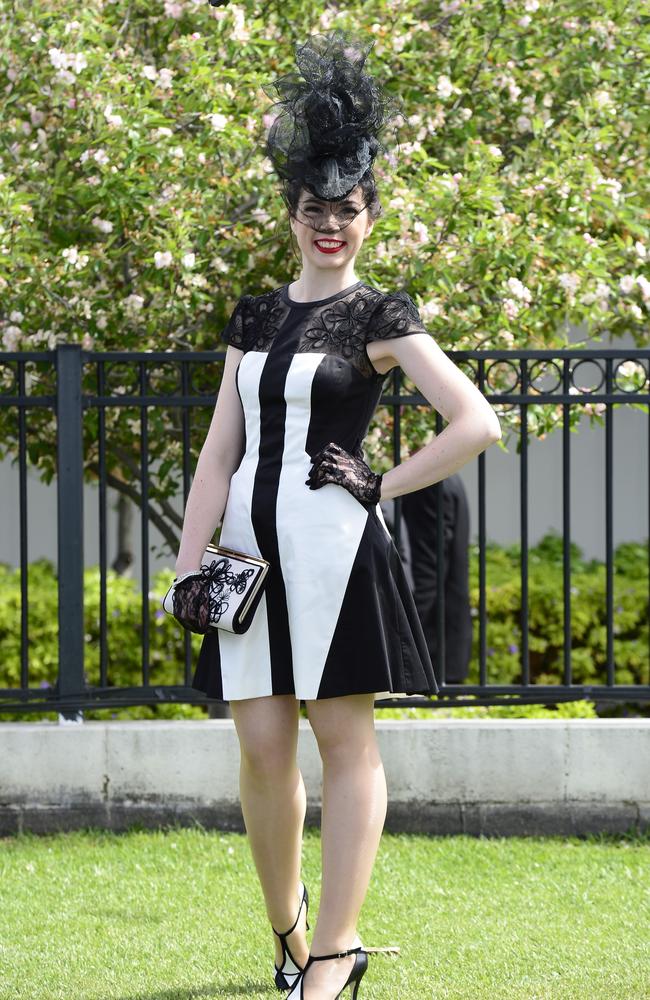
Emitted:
pixel 316 283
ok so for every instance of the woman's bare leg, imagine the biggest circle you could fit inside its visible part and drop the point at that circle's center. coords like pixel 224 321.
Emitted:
pixel 353 816
pixel 273 804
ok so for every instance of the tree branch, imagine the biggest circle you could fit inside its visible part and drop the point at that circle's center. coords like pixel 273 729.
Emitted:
pixel 154 516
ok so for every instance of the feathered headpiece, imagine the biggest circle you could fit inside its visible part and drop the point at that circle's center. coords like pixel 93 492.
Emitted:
pixel 330 114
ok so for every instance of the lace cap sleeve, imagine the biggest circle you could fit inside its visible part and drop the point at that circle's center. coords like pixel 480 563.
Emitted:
pixel 396 316
pixel 233 332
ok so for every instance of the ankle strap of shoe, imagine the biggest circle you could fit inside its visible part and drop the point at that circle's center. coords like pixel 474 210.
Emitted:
pixel 295 923
pixel 337 954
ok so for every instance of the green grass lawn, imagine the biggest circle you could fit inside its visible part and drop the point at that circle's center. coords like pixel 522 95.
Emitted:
pixel 178 914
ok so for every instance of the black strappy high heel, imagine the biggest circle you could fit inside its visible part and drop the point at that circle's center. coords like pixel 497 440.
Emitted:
pixel 287 973
pixel 354 979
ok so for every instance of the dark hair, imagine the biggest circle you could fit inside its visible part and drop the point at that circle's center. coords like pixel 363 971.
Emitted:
pixel 292 189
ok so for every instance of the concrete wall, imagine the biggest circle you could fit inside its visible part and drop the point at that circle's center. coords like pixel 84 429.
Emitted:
pixel 445 776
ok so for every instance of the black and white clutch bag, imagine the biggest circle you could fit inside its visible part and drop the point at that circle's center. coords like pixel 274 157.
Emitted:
pixel 229 586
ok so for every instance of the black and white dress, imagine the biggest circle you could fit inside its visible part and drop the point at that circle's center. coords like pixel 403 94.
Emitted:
pixel 337 616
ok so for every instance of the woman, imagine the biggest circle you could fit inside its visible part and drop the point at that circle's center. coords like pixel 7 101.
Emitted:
pixel 282 461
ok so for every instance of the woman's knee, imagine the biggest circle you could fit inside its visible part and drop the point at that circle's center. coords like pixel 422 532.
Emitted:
pixel 268 735
pixel 346 752
pixel 344 730
pixel 265 757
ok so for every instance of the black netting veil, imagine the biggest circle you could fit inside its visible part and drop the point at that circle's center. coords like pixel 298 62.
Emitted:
pixel 329 115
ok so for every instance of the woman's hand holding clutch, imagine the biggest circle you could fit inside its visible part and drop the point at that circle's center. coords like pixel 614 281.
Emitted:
pixel 190 601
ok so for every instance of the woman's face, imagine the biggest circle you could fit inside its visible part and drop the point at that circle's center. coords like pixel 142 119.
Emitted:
pixel 329 245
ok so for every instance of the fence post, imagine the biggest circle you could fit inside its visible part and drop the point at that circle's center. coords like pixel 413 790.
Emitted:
pixel 70 522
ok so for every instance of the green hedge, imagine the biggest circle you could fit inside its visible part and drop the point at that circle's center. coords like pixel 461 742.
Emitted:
pixel 124 639
pixel 546 614
pixel 124 611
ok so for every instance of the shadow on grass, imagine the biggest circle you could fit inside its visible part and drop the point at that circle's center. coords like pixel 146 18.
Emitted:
pixel 243 988
pixel 633 835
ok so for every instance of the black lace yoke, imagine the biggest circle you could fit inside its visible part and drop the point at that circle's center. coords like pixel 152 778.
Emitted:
pixel 341 325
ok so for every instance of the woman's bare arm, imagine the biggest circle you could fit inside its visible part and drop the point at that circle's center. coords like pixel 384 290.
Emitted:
pixel 220 455
pixel 472 423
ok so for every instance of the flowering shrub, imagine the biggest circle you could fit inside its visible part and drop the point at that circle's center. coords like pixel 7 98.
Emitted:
pixel 135 206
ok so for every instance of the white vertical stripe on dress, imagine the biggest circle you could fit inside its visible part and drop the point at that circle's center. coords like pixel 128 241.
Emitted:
pixel 312 522
pixel 246 658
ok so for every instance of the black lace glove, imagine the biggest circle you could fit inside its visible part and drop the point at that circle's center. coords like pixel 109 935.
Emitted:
pixel 191 602
pixel 333 464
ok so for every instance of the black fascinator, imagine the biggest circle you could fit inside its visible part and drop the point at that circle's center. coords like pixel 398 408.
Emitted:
pixel 329 116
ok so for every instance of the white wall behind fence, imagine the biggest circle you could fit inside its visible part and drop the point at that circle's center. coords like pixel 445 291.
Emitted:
pixel 630 491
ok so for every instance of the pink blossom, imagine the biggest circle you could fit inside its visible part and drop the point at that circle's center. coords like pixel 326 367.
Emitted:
pixel 10 338
pixel 569 281
pixel 519 290
pixel 510 308
pixel 644 285
pixel 218 121
pixel 445 88
pixel 104 225
pixel 173 10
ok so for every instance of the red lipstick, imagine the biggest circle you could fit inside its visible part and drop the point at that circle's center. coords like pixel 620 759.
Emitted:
pixel 333 249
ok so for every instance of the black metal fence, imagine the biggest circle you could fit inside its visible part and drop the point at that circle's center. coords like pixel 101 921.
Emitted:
pixel 74 387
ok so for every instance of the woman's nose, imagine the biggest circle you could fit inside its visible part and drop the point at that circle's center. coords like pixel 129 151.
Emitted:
pixel 331 226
